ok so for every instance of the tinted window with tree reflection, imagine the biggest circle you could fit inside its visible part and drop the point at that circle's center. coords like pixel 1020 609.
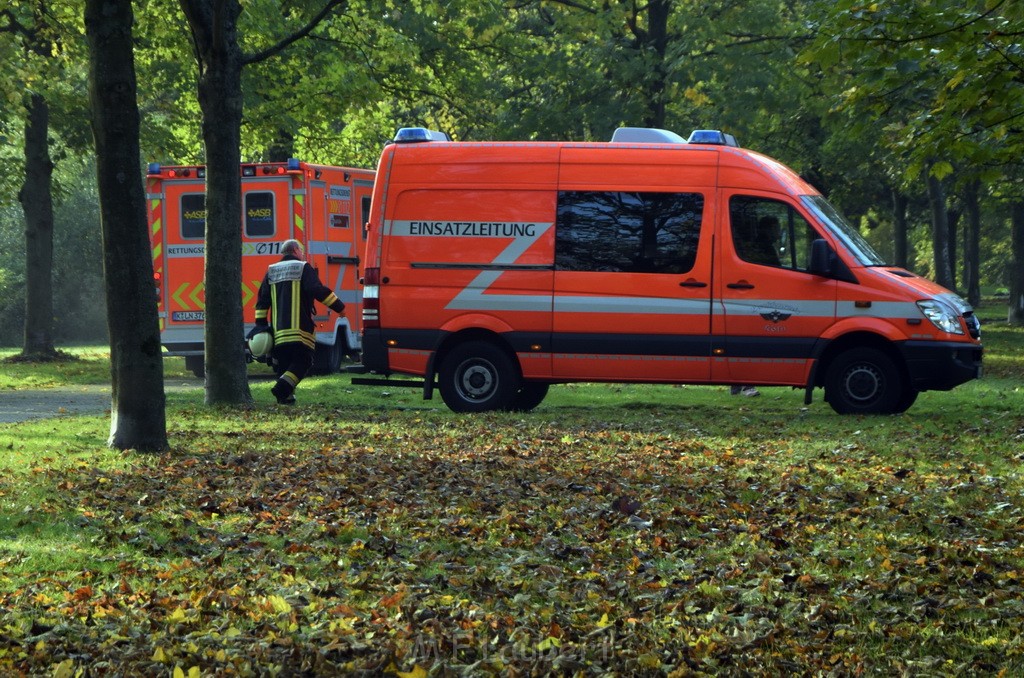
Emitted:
pixel 770 232
pixel 629 232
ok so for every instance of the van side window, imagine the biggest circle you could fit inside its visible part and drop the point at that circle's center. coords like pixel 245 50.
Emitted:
pixel 259 214
pixel 770 233
pixel 629 232
pixel 193 215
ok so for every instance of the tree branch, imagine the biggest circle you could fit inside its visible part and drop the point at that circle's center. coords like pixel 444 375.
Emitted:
pixel 304 31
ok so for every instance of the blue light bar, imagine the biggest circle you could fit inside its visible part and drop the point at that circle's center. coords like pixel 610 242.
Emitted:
pixel 153 168
pixel 293 164
pixel 412 135
pixel 711 137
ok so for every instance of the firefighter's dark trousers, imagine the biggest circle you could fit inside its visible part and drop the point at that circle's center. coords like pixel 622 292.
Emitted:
pixel 291 361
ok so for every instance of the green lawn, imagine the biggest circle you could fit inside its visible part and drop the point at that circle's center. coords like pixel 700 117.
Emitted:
pixel 635 530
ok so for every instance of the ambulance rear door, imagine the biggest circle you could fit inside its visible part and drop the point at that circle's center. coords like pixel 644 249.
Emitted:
pixel 770 311
pixel 267 217
pixel 632 289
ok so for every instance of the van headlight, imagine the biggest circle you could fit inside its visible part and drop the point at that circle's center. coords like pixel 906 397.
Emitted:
pixel 941 316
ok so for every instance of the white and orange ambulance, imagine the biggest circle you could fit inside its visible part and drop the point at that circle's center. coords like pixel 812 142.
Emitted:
pixel 496 269
pixel 324 207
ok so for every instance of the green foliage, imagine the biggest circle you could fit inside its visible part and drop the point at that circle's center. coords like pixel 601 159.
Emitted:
pixel 616 529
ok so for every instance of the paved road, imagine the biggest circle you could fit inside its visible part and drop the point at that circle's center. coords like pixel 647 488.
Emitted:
pixel 44 403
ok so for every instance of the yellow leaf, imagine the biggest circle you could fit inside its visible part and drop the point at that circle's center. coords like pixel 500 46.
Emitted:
pixel 417 672
pixel 649 661
pixel 604 621
pixel 178 673
pixel 279 604
pixel 66 669
pixel 549 643
pixel 159 655
pixel 194 672
pixel 177 616
pixel 232 632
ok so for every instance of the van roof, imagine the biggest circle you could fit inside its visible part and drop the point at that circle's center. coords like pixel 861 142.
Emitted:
pixel 738 166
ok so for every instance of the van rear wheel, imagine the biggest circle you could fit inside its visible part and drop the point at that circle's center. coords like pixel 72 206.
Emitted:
pixel 196 364
pixel 478 377
pixel 531 394
pixel 865 381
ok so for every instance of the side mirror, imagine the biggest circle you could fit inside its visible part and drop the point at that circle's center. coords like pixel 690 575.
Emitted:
pixel 821 258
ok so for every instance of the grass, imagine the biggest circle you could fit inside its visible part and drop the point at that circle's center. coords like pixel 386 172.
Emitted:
pixel 647 530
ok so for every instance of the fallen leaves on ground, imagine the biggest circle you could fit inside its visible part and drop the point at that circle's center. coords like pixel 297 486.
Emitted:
pixel 497 545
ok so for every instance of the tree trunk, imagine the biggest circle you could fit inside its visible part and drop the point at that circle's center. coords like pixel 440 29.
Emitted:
pixel 283 146
pixel 940 232
pixel 36 199
pixel 1015 314
pixel 899 228
pixel 657 23
pixel 215 39
pixel 972 244
pixel 137 416
pixel 953 226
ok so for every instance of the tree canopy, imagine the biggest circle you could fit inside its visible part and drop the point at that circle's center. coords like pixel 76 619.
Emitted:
pixel 907 115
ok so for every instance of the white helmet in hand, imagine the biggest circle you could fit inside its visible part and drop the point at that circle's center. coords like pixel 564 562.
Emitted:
pixel 260 344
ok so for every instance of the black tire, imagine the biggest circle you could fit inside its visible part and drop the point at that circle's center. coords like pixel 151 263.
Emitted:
pixel 197 365
pixel 907 399
pixel 531 394
pixel 478 377
pixel 865 381
pixel 327 359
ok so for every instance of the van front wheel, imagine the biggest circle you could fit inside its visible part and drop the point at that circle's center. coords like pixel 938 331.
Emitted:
pixel 865 381
pixel 477 377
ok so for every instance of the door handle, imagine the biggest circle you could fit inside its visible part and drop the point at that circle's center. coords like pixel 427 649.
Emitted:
pixel 693 283
pixel 335 259
pixel 741 285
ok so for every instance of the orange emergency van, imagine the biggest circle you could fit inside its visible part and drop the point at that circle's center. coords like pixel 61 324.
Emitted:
pixel 324 207
pixel 496 269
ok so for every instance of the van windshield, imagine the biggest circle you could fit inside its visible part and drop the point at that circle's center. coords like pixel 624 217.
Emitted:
pixel 841 229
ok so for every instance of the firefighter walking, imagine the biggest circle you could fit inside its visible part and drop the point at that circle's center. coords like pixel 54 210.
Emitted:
pixel 284 307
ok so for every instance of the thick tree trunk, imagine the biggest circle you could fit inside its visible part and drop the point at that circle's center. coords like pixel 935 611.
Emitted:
pixel 214 31
pixel 137 416
pixel 972 244
pixel 899 234
pixel 36 198
pixel 1015 314
pixel 940 232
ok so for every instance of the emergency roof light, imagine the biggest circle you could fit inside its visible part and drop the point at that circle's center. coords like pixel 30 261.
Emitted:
pixel 153 168
pixel 712 137
pixel 412 135
pixel 645 135
pixel 293 165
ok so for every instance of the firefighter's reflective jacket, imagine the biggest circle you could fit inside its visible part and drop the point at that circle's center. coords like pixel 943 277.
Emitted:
pixel 285 301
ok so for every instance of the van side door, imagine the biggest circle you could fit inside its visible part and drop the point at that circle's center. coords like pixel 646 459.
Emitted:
pixel 632 286
pixel 770 311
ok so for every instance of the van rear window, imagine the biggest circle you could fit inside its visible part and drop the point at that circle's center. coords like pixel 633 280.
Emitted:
pixel 627 231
